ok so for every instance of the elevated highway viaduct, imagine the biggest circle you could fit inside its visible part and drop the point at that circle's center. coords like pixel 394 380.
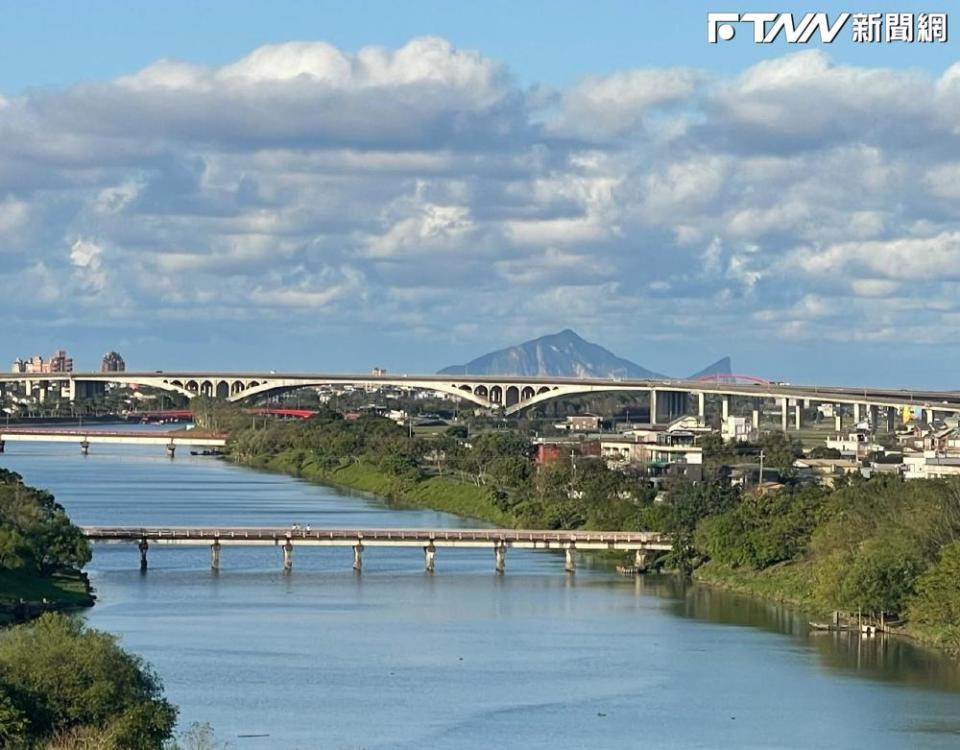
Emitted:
pixel 668 398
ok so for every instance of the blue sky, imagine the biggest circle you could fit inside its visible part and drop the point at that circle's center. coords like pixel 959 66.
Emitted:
pixel 334 185
pixel 46 42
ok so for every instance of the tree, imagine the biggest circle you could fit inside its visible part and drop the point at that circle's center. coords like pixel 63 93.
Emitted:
pixel 937 599
pixel 881 577
pixel 58 676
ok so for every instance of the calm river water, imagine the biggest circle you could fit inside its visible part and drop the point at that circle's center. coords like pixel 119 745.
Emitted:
pixel 396 658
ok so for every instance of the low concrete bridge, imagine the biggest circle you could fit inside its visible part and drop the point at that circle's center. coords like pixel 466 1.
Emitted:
pixel 642 543
pixel 86 438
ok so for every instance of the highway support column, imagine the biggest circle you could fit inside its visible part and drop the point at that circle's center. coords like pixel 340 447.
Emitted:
pixel 653 407
pixel 783 414
pixel 701 409
pixel 797 414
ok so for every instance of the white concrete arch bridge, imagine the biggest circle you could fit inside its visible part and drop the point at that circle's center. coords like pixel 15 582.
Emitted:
pixel 668 398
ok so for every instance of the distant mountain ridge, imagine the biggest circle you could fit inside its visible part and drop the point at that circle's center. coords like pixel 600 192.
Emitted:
pixel 565 354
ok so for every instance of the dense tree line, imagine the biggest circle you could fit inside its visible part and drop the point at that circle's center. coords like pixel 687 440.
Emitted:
pixel 572 492
pixel 880 545
pixel 63 684
pixel 35 533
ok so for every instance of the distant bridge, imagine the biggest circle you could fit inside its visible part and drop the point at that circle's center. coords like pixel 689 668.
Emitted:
pixel 86 438
pixel 668 398
pixel 184 414
pixel 642 543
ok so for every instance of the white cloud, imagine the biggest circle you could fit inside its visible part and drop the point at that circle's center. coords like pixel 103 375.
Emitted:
pixel 421 189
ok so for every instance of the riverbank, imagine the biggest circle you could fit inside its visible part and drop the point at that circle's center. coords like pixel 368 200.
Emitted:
pixel 24 596
pixel 441 493
pixel 792 583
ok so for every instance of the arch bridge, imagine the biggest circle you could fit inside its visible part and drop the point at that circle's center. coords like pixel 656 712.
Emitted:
pixel 668 398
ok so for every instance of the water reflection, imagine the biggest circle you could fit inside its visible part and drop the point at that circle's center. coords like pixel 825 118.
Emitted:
pixel 884 657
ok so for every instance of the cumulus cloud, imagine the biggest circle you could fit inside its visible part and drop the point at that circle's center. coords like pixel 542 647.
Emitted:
pixel 421 189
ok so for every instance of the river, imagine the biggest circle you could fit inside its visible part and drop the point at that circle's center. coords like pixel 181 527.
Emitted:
pixel 396 658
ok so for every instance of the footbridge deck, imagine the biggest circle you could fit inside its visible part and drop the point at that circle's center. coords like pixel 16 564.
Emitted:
pixel 642 543
pixel 86 438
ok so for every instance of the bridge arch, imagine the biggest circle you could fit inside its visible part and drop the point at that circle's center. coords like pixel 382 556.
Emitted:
pixel 496 394
pixel 223 389
pixel 258 388
pixel 512 395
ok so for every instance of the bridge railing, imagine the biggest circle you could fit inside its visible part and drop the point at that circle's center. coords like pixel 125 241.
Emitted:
pixel 389 534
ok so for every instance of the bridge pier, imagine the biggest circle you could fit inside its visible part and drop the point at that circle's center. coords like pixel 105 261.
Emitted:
pixel 85 448
pixel 837 419
pixel 171 450
pixel 755 419
pixel 701 409
pixel 287 556
pixel 570 563
pixel 641 560
pixel 724 408
pixel 358 557
pixel 856 415
pixel 653 407
pixel 797 414
pixel 143 547
pixel 215 556
pixel 500 552
pixel 929 416
pixel 874 411
pixel 3 445
pixel 891 419
pixel 429 558
pixel 784 417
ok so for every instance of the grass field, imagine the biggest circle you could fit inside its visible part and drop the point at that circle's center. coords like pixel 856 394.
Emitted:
pixel 63 589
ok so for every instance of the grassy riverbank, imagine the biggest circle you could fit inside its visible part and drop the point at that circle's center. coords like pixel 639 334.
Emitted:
pixel 24 594
pixel 441 493
pixel 788 583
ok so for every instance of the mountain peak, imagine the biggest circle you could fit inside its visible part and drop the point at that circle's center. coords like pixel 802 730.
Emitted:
pixel 563 354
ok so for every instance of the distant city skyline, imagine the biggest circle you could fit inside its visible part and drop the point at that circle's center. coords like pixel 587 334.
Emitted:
pixel 339 188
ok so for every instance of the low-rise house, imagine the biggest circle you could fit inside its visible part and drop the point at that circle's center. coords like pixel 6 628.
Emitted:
pixel 825 470
pixel 656 459
pixel 930 465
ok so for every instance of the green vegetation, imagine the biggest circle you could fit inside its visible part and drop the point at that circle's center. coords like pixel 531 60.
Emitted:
pixel 883 547
pixel 488 476
pixel 63 684
pixel 41 552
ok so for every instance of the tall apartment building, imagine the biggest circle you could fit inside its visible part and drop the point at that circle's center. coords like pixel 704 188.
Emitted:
pixel 112 362
pixel 59 362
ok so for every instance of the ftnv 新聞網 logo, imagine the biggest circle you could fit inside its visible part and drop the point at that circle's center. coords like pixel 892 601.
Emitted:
pixel 866 28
